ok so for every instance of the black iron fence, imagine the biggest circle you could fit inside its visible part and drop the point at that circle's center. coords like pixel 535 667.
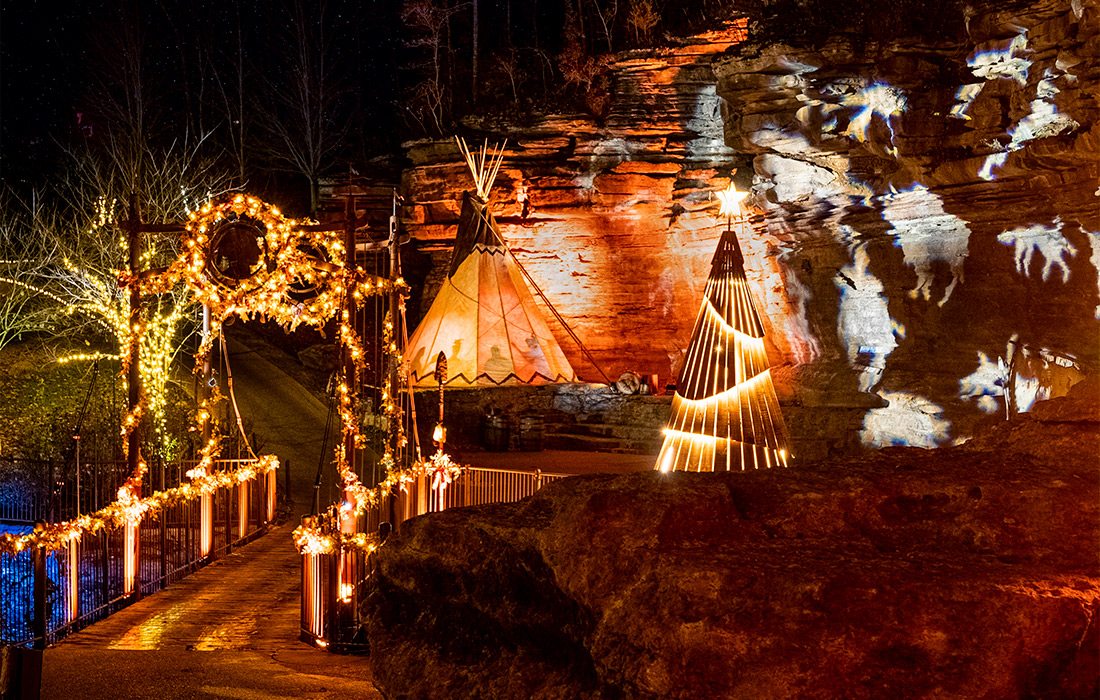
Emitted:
pixel 47 594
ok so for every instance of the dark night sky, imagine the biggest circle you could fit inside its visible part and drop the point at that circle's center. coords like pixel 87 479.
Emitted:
pixel 43 51
pixel 59 61
pixel 57 57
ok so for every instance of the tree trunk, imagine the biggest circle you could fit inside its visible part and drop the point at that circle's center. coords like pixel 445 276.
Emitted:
pixel 473 62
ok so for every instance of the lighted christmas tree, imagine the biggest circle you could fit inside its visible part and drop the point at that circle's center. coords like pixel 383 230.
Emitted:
pixel 725 414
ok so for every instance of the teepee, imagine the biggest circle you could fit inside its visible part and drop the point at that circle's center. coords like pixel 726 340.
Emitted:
pixel 484 318
pixel 725 414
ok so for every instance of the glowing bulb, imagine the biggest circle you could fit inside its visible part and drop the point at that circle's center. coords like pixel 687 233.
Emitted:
pixel 730 199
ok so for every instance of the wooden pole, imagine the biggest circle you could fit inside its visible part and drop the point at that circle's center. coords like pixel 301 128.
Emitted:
pixel 40 584
pixel 206 500
pixel 351 374
pixel 131 565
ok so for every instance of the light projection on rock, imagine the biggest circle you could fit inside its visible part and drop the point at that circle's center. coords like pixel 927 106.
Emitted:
pixel 985 385
pixel 1048 241
pixel 927 235
pixel 910 420
pixel 725 414
pixel 879 99
pixel 1002 61
pixel 964 97
pixel 864 324
pixel 1094 244
pixel 1043 121
pixel 822 108
pixel 1033 374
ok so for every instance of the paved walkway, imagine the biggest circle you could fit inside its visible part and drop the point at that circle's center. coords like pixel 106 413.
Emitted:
pixel 229 630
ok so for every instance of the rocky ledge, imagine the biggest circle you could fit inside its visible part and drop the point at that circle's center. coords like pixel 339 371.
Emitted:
pixel 964 572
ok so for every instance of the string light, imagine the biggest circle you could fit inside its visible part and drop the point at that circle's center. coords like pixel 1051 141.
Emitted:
pixel 130 509
pixel 324 536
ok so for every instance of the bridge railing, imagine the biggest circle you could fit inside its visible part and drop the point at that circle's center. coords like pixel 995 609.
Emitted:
pixel 333 582
pixel 46 594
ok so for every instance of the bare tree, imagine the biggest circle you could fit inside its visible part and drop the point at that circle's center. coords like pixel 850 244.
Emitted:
pixel 89 242
pixel 642 18
pixel 24 308
pixel 428 102
pixel 305 121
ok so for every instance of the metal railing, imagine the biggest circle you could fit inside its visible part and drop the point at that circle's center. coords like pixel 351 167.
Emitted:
pixel 333 589
pixel 46 595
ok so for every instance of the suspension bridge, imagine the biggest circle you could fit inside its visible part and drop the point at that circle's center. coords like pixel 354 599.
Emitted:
pixel 197 588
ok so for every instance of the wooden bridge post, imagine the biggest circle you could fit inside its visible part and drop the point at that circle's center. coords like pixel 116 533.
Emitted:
pixel 242 509
pixel 131 584
pixel 271 482
pixel 74 580
pixel 38 620
pixel 228 519
pixel 350 312
pixel 422 491
pixel 133 388
pixel 206 500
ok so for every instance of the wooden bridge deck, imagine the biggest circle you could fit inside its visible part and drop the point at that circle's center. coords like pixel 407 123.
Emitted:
pixel 227 631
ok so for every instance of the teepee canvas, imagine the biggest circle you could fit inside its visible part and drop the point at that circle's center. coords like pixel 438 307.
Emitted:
pixel 725 414
pixel 484 318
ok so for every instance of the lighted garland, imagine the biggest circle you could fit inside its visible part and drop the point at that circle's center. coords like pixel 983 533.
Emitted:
pixel 289 257
pixel 129 510
pixel 324 535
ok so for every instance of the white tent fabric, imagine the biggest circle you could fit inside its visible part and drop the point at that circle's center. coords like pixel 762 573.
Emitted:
pixel 484 318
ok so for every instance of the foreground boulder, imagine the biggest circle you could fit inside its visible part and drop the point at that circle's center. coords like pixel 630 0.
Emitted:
pixel 971 572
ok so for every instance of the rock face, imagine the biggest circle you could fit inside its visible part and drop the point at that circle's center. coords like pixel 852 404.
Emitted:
pixel 614 218
pixel 919 203
pixel 958 573
pixel 932 202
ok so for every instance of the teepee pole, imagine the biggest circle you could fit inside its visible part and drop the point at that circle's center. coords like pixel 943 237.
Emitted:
pixel 558 316
pixel 483 165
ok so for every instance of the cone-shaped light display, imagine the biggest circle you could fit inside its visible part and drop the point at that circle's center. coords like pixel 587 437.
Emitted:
pixel 725 414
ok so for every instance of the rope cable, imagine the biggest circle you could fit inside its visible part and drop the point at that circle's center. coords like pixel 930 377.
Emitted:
pixel 558 316
pixel 233 395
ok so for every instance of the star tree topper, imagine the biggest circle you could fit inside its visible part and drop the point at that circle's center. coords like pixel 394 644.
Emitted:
pixel 730 199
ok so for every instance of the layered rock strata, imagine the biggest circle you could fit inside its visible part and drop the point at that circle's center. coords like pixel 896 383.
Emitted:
pixel 927 213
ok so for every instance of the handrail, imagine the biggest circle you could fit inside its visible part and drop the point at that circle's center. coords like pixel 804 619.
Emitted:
pixel 51 590
pixel 334 577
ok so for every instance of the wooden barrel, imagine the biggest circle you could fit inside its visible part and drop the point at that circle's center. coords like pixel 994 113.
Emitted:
pixel 530 434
